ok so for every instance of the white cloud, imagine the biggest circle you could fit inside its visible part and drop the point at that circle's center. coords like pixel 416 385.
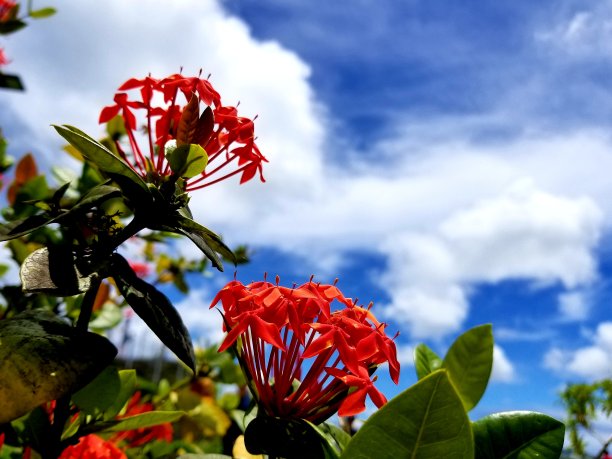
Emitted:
pixel 503 369
pixel 574 306
pixel 448 210
pixel 584 33
pixel 592 362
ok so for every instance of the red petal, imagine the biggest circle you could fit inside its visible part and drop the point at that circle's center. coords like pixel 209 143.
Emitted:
pixel 108 113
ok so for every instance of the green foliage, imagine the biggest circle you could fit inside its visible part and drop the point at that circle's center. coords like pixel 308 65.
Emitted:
pixel 42 358
pixel 155 309
pixel 469 362
pixel 518 435
pixel 187 160
pixel 426 361
pixel 427 420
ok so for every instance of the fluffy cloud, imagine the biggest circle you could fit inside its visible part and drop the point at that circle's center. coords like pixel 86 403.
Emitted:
pixel 592 362
pixel 574 306
pixel 503 369
pixel 449 209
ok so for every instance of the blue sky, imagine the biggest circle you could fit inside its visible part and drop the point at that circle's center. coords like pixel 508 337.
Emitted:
pixel 448 160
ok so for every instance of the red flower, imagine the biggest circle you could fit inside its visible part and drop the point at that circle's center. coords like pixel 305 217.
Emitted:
pixel 6 7
pixel 302 359
pixel 144 435
pixel 141 269
pixel 93 447
pixel 3 59
pixel 228 139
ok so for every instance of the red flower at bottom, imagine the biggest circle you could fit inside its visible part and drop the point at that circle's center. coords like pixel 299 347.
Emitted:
pixel 302 359
pixel 93 447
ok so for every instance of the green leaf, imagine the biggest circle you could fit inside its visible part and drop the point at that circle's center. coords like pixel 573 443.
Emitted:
pixel 427 420
pixel 11 26
pixel 42 358
pixel 333 439
pixel 207 241
pixel 104 159
pixel 139 421
pixel 10 81
pixel 127 380
pixel 426 361
pixel 203 456
pixel 518 435
pixel 468 362
pixel 42 13
pixel 187 160
pixel 18 228
pixel 186 130
pixel 154 308
pixel 97 396
pixel 53 271
pixel 283 438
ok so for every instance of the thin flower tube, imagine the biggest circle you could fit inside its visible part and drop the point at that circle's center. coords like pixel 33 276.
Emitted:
pixel 303 358
pixel 168 110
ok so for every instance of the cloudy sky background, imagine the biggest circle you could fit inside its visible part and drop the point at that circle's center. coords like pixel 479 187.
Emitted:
pixel 450 161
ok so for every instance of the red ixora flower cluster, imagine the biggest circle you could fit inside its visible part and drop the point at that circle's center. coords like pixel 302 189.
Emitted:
pixel 304 360
pixel 227 138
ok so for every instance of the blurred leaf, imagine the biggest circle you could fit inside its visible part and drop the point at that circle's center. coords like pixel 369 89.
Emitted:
pixel 115 127
pixel 139 421
pixel 108 317
pixel 204 127
pixel 426 361
pixel 11 26
pixel 518 435
pixel 427 420
pixel 154 308
pixel 97 396
pixel 10 81
pixel 468 362
pixel 53 271
pixel 26 169
pixel 43 358
pixel 127 379
pixel 42 13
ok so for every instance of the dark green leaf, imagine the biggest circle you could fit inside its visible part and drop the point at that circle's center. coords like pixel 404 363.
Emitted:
pixel 10 81
pixel 42 13
pixel 276 437
pixel 426 361
pixel 518 435
pixel 11 26
pixel 154 308
pixel 18 228
pixel 97 396
pixel 104 159
pixel 53 271
pixel 42 358
pixel 333 439
pixel 469 361
pixel 204 128
pixel 207 241
pixel 425 421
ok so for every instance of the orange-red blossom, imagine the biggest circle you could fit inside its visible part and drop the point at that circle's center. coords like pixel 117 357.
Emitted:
pixel 305 360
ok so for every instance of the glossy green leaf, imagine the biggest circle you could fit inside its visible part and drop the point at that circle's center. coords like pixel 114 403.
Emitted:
pixel 104 159
pixel 154 308
pixel 99 395
pixel 207 241
pixel 427 420
pixel 469 362
pixel 187 160
pixel 53 271
pixel 42 358
pixel 333 439
pixel 42 13
pixel 518 435
pixel 426 361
